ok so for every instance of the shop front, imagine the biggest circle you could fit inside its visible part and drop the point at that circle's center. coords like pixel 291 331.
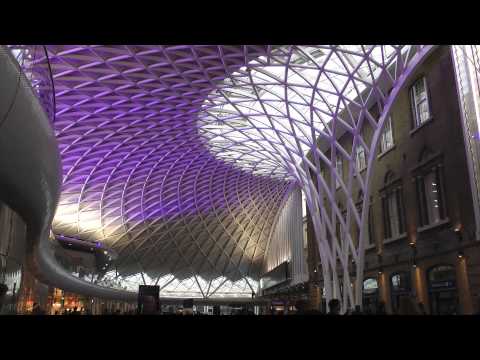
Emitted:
pixel 442 289
pixel 400 286
pixel 370 295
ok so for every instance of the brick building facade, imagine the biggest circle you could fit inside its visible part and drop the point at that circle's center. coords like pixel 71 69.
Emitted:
pixel 422 229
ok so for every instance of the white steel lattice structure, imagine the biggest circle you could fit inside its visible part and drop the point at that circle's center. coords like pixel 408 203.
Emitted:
pixel 281 114
pixel 180 157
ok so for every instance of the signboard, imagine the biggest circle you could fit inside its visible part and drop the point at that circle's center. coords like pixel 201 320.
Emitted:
pixel 443 284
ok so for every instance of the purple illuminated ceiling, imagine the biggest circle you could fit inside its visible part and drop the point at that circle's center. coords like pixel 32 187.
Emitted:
pixel 179 157
pixel 137 175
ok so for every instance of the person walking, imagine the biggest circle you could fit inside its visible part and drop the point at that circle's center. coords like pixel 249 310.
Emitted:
pixel 334 307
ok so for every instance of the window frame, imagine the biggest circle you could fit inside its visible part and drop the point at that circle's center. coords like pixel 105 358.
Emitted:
pixel 414 105
pixel 340 175
pixel 393 187
pixel 360 146
pixel 383 135
pixel 371 242
pixel 432 163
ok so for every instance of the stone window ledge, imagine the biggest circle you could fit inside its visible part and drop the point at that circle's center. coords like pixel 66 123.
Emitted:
pixel 432 226
pixel 379 156
pixel 422 125
pixel 396 238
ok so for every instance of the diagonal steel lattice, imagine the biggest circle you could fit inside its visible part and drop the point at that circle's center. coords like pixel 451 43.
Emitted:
pixel 282 116
pixel 179 158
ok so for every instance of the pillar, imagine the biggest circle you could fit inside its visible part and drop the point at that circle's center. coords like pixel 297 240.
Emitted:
pixel 419 284
pixel 463 287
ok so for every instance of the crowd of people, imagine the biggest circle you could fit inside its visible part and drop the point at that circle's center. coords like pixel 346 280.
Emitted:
pixel 407 306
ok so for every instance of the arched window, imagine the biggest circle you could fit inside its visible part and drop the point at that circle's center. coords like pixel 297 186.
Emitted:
pixel 420 104
pixel 430 189
pixel 370 286
pixel 399 286
pixel 386 140
pixel 360 158
pixel 393 208
pixel 400 282
pixel 339 169
pixel 389 177
pixel 369 229
pixel 370 295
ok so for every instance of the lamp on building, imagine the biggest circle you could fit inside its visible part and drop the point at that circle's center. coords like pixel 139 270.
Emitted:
pixel 460 255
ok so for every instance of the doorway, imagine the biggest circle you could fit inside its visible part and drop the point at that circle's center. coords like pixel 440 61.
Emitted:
pixel 443 290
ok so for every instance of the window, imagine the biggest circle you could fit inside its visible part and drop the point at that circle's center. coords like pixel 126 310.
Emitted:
pixel 370 295
pixel 432 200
pixel 400 286
pixel 393 209
pixel 370 285
pixel 420 105
pixel 386 140
pixel 430 193
pixel 338 228
pixel 370 240
pixel 393 218
pixel 339 168
pixel 360 158
pixel 400 282
pixel 430 197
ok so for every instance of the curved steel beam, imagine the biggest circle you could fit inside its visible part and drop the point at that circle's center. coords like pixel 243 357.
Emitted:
pixel 30 176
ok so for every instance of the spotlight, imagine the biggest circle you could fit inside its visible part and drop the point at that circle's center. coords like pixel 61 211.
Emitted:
pixel 460 254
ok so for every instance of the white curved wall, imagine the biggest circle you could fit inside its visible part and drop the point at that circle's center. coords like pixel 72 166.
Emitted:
pixel 286 243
